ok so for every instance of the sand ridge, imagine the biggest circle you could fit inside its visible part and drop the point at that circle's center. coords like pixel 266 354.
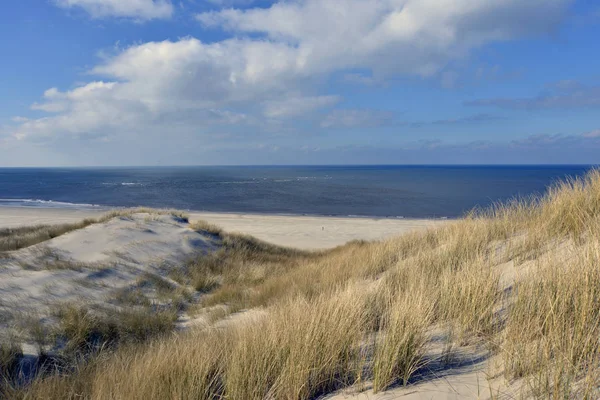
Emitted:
pixel 88 265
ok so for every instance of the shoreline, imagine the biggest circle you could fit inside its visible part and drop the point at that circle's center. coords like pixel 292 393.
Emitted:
pixel 106 209
pixel 298 231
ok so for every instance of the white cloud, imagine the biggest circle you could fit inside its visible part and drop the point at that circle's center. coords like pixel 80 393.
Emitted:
pixel 185 87
pixel 230 3
pixel 136 9
pixel 389 36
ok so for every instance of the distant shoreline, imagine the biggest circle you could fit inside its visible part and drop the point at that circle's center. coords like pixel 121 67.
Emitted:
pixel 103 209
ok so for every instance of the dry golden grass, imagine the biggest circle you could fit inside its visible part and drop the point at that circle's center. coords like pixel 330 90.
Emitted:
pixel 84 329
pixel 522 278
pixel 403 330
pixel 553 327
pixel 10 355
pixel 18 238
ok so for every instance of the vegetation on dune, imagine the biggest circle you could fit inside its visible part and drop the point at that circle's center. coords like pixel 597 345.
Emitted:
pixel 18 238
pixel 85 329
pixel 521 280
pixel 10 354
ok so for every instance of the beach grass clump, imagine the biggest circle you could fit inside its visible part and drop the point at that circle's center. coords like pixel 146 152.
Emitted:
pixel 553 326
pixel 468 299
pixel 156 282
pixel 318 351
pixel 86 330
pixel 131 296
pixel 18 238
pixel 572 206
pixel 83 329
pixel 205 227
pixel 400 347
pixel 239 263
pixel 188 366
pixel 286 354
pixel 181 216
pixel 10 355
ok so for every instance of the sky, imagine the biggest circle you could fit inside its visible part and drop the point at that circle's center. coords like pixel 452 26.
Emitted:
pixel 241 82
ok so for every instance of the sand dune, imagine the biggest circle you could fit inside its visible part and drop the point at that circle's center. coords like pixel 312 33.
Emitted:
pixel 90 265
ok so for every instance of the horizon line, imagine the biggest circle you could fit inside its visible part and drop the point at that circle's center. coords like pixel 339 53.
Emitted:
pixel 307 165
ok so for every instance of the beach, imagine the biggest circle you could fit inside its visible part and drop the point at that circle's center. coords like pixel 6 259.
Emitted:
pixel 303 232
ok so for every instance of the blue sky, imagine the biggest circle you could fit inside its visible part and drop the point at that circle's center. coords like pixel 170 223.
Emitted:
pixel 160 82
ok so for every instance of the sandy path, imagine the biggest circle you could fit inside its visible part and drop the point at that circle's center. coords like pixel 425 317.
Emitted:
pixel 295 231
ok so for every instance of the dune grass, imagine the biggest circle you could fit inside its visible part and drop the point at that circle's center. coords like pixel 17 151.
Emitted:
pixel 521 279
pixel 400 349
pixel 10 354
pixel 18 238
pixel 84 328
pixel 553 328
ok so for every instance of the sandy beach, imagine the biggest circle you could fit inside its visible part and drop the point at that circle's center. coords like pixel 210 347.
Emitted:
pixel 304 232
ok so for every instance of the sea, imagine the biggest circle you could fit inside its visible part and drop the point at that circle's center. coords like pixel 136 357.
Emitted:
pixel 350 191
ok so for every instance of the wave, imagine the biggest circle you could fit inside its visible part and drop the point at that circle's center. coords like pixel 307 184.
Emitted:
pixel 44 203
pixel 256 181
pixel 32 203
pixel 122 184
pixel 237 182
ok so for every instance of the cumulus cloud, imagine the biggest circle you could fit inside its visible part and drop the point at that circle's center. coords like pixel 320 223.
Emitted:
pixel 276 62
pixel 230 3
pixel 389 36
pixel 561 95
pixel 136 9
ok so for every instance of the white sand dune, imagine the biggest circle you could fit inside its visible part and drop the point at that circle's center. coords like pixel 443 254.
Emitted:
pixel 88 265
pixel 141 237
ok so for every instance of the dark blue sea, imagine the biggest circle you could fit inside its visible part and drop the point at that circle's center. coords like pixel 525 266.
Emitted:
pixel 377 191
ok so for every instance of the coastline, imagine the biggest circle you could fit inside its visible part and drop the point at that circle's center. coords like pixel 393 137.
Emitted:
pixel 299 231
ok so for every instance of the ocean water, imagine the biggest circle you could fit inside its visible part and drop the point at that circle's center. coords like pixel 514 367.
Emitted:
pixel 378 191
